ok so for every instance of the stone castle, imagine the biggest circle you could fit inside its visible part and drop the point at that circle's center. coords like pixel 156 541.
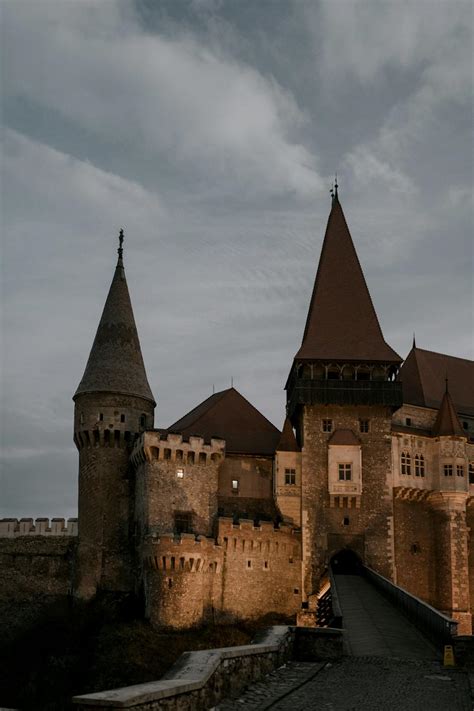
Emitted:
pixel 222 516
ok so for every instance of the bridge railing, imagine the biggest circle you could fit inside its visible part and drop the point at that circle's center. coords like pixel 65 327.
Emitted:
pixel 438 627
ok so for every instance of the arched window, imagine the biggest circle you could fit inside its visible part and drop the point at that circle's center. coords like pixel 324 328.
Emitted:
pixel 419 465
pixel 348 373
pixel 406 463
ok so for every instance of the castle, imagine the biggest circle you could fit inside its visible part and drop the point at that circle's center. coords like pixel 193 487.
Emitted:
pixel 222 516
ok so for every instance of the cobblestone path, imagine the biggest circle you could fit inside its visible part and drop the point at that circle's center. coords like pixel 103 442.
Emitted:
pixel 358 684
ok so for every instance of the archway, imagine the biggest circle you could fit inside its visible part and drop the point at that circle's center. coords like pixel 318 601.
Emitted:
pixel 346 562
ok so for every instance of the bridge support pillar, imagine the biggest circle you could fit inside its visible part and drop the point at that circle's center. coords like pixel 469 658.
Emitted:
pixel 452 573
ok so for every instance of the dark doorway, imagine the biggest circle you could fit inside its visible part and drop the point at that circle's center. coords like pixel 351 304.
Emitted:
pixel 346 562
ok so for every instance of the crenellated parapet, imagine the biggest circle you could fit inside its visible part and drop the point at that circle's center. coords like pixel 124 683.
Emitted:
pixel 185 553
pixel 100 437
pixel 152 446
pixel 13 527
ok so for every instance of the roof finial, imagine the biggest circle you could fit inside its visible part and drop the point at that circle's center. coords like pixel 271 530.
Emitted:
pixel 120 249
pixel 335 186
pixel 414 341
pixel 446 382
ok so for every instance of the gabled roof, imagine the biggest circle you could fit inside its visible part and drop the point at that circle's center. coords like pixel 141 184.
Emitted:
pixel 447 422
pixel 423 376
pixel 115 362
pixel 344 437
pixel 288 441
pixel 342 323
pixel 227 414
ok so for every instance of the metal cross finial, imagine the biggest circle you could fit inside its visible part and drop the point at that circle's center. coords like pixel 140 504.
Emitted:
pixel 335 185
pixel 120 249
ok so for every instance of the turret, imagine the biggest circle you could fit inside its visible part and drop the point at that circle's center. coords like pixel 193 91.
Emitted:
pixel 113 403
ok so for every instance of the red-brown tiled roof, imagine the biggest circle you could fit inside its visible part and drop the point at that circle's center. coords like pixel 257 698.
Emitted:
pixel 227 414
pixel 288 441
pixel 344 437
pixel 423 376
pixel 447 422
pixel 342 323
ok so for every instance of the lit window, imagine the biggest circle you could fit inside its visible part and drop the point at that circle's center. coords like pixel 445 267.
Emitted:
pixel 459 470
pixel 448 470
pixel 327 425
pixel 180 473
pixel 290 476
pixel 419 465
pixel 406 463
pixel 235 484
pixel 364 425
pixel 345 472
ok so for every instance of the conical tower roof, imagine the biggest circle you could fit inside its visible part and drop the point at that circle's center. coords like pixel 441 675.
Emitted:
pixel 447 421
pixel 342 323
pixel 115 362
pixel 288 441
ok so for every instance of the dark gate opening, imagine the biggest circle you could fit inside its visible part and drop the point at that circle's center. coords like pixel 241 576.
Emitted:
pixel 346 562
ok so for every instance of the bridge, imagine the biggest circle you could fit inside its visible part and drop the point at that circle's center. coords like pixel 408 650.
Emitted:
pixel 390 657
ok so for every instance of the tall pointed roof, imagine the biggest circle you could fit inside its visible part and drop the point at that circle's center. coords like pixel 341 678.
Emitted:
pixel 288 441
pixel 227 414
pixel 447 421
pixel 115 362
pixel 423 374
pixel 342 323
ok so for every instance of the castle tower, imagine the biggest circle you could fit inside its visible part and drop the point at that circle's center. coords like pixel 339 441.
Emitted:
pixel 112 404
pixel 341 393
pixel 450 526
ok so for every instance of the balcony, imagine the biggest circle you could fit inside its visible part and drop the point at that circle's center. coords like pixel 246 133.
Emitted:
pixel 343 392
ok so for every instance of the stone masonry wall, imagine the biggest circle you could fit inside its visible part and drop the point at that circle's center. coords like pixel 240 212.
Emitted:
pixel 415 554
pixel 367 529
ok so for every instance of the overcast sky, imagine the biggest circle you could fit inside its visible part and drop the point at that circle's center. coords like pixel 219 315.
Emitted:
pixel 211 130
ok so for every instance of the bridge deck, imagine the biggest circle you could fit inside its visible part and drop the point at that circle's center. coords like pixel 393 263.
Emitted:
pixel 374 627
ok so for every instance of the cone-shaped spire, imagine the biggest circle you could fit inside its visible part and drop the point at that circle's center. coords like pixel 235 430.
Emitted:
pixel 288 441
pixel 447 421
pixel 115 362
pixel 342 323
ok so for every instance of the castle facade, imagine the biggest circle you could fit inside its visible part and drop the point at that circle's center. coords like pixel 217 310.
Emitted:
pixel 222 516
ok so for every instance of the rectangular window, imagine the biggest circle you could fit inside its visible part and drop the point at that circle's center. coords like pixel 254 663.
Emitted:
pixel 327 425
pixel 459 470
pixel 235 484
pixel 122 418
pixel 419 465
pixel 364 425
pixel 471 472
pixel 465 425
pixel 448 470
pixel 345 472
pixel 180 473
pixel 405 461
pixel 183 522
pixel 290 476
pixel 408 421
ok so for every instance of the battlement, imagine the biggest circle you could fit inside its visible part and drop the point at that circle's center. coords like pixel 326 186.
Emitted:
pixel 153 446
pixel 13 527
pixel 229 526
pixel 103 437
pixel 184 553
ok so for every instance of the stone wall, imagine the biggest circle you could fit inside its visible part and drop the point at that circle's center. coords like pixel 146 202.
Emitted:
pixel 367 529
pixel 251 572
pixel 415 553
pixel 253 474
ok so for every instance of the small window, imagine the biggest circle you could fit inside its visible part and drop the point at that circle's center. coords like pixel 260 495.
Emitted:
pixel 183 522
pixel 415 548
pixel 235 484
pixel 143 421
pixel 345 472
pixel 202 457
pixel 406 463
pixel 101 417
pixel 290 477
pixel 459 470
pixel 249 564
pixel 327 425
pixel 408 421
pixel 465 425
pixel 167 453
pixel 265 564
pixel 448 470
pixel 346 520
pixel 296 591
pixel 180 473
pixel 364 425
pixel 419 465
pixel 471 472
pixel 122 418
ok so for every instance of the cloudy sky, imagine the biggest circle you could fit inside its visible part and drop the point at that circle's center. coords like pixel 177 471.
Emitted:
pixel 211 130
